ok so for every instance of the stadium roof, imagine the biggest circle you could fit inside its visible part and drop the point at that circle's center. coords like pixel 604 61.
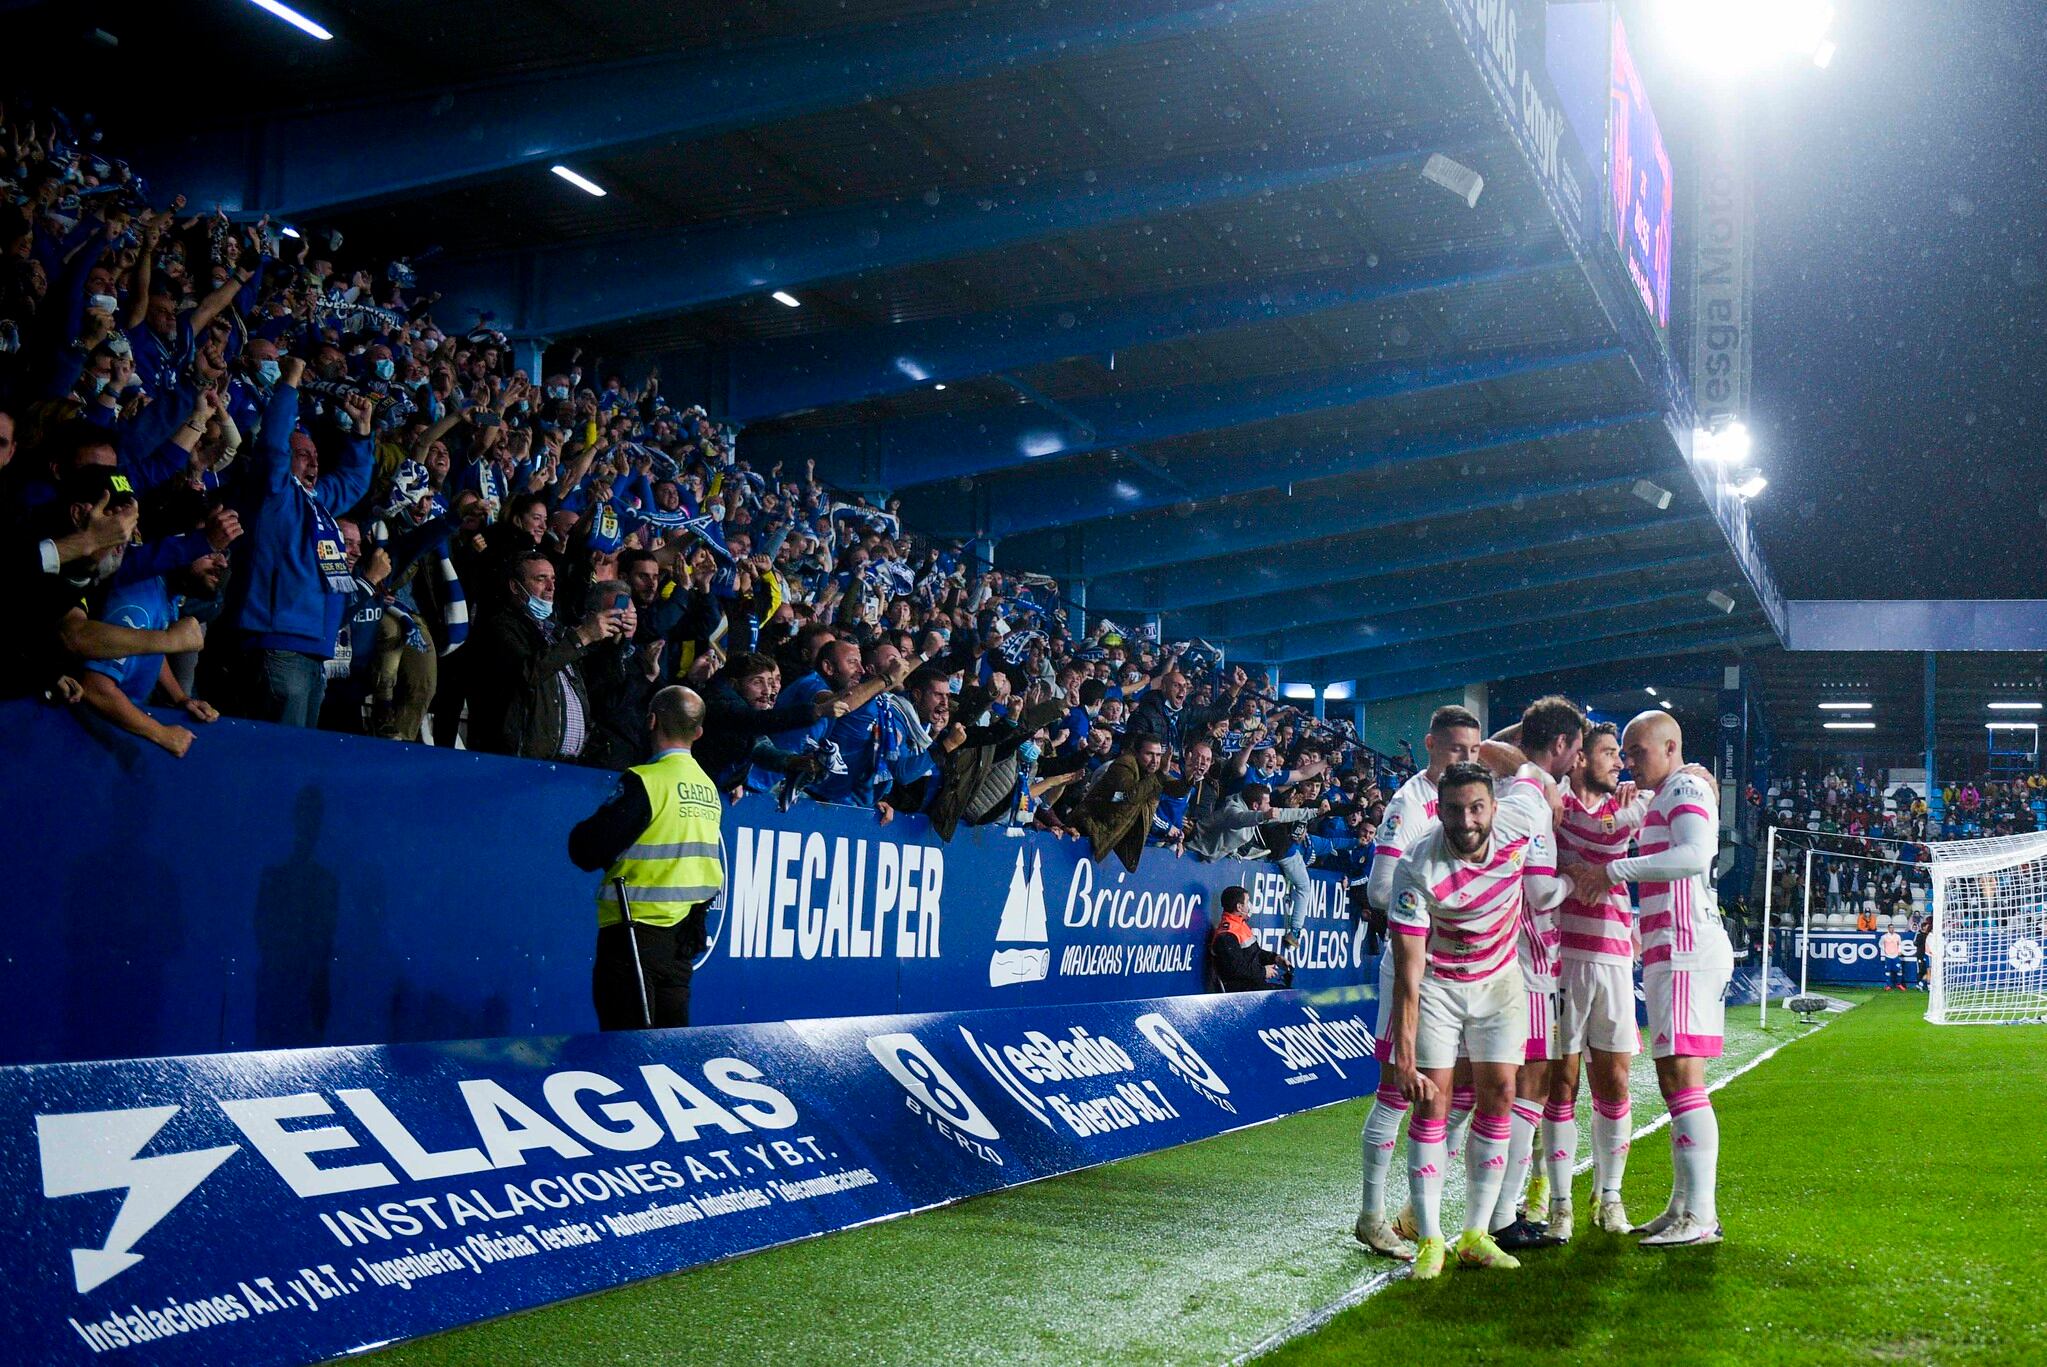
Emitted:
pixel 1153 293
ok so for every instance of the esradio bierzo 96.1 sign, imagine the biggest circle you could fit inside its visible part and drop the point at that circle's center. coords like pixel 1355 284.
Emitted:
pixel 290 1206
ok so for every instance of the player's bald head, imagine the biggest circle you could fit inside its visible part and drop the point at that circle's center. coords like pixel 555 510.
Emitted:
pixel 1653 746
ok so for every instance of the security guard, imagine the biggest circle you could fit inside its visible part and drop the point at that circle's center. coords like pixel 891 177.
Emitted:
pixel 656 838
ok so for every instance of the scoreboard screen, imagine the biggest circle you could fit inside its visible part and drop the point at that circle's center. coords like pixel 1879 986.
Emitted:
pixel 1638 182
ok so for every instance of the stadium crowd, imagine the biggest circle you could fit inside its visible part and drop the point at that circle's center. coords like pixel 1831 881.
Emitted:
pixel 242 475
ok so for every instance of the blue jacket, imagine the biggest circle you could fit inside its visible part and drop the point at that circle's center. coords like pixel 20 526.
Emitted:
pixel 278 599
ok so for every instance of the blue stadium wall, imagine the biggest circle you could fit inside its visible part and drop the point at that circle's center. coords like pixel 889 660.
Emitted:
pixel 285 889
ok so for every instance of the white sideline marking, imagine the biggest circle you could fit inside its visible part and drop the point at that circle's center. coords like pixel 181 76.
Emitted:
pixel 1379 1281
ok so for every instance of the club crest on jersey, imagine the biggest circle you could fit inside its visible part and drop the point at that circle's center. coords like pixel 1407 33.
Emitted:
pixel 1607 823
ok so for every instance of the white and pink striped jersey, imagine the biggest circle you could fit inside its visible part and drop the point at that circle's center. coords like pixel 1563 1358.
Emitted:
pixel 1472 911
pixel 1674 874
pixel 1597 831
pixel 1409 815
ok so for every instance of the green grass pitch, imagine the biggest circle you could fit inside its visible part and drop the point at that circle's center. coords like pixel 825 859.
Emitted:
pixel 1881 1183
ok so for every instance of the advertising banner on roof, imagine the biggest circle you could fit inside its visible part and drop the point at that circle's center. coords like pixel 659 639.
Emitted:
pixel 298 1205
pixel 1547 67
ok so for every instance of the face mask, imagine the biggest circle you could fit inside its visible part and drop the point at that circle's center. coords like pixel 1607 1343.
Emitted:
pixel 575 378
pixel 106 303
pixel 268 372
pixel 384 370
pixel 540 609
pixel 1027 753
pixel 556 391
pixel 99 385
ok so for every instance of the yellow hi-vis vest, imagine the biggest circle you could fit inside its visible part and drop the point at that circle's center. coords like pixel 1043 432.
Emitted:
pixel 675 864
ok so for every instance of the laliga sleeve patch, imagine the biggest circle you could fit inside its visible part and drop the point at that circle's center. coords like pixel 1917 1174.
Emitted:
pixel 1409 902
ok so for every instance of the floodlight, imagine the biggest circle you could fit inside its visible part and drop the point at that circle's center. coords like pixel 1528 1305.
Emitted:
pixel 1729 37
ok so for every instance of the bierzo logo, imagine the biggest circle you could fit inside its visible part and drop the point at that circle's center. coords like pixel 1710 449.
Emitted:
pixel 1023 923
pixel 935 1093
pixel 92 1151
pixel 1185 1060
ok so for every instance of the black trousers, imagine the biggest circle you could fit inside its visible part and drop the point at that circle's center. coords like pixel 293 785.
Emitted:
pixel 666 953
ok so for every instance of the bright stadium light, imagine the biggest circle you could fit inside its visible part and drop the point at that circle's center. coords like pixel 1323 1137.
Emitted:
pixel 1727 445
pixel 1846 706
pixel 293 17
pixel 2015 707
pixel 1751 485
pixel 1651 691
pixel 1848 726
pixel 2011 726
pixel 1730 37
pixel 786 299
pixel 583 183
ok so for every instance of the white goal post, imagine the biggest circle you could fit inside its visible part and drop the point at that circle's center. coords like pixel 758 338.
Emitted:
pixel 1989 930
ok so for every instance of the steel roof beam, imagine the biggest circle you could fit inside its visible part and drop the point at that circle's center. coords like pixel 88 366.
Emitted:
pixel 403 143
pixel 794 374
pixel 1156 543
pixel 575 287
pixel 949 446
pixel 1745 630
pixel 1088 492
pixel 1555 635
pixel 1244 619
pixel 1493 605
pixel 1228 580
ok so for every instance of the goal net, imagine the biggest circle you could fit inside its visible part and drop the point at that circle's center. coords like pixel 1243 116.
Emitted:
pixel 1989 930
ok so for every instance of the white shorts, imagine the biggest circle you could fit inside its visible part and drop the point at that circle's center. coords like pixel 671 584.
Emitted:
pixel 1544 1039
pixel 1687 1010
pixel 1598 1008
pixel 1382 1024
pixel 1488 1018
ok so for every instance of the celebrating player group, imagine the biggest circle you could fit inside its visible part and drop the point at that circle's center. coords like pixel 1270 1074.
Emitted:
pixel 1502 871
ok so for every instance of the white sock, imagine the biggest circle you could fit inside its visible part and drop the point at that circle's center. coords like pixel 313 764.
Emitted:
pixel 1486 1166
pixel 1527 1124
pixel 1612 1125
pixel 1377 1141
pixel 1560 1148
pixel 1695 1152
pixel 1427 1160
pixel 1462 1099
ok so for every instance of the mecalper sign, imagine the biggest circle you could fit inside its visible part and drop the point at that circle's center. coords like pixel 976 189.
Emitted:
pixel 291 1206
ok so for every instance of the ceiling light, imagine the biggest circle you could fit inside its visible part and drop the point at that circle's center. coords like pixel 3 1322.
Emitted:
pixel 1662 704
pixel 938 386
pixel 288 230
pixel 2015 707
pixel 786 299
pixel 583 183
pixel 2011 726
pixel 293 17
pixel 1720 600
pixel 1848 726
pixel 1650 691
pixel 1751 485
pixel 1845 706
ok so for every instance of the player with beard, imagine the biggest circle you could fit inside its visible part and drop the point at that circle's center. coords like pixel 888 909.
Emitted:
pixel 1597 1006
pixel 1456 914
pixel 1453 738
